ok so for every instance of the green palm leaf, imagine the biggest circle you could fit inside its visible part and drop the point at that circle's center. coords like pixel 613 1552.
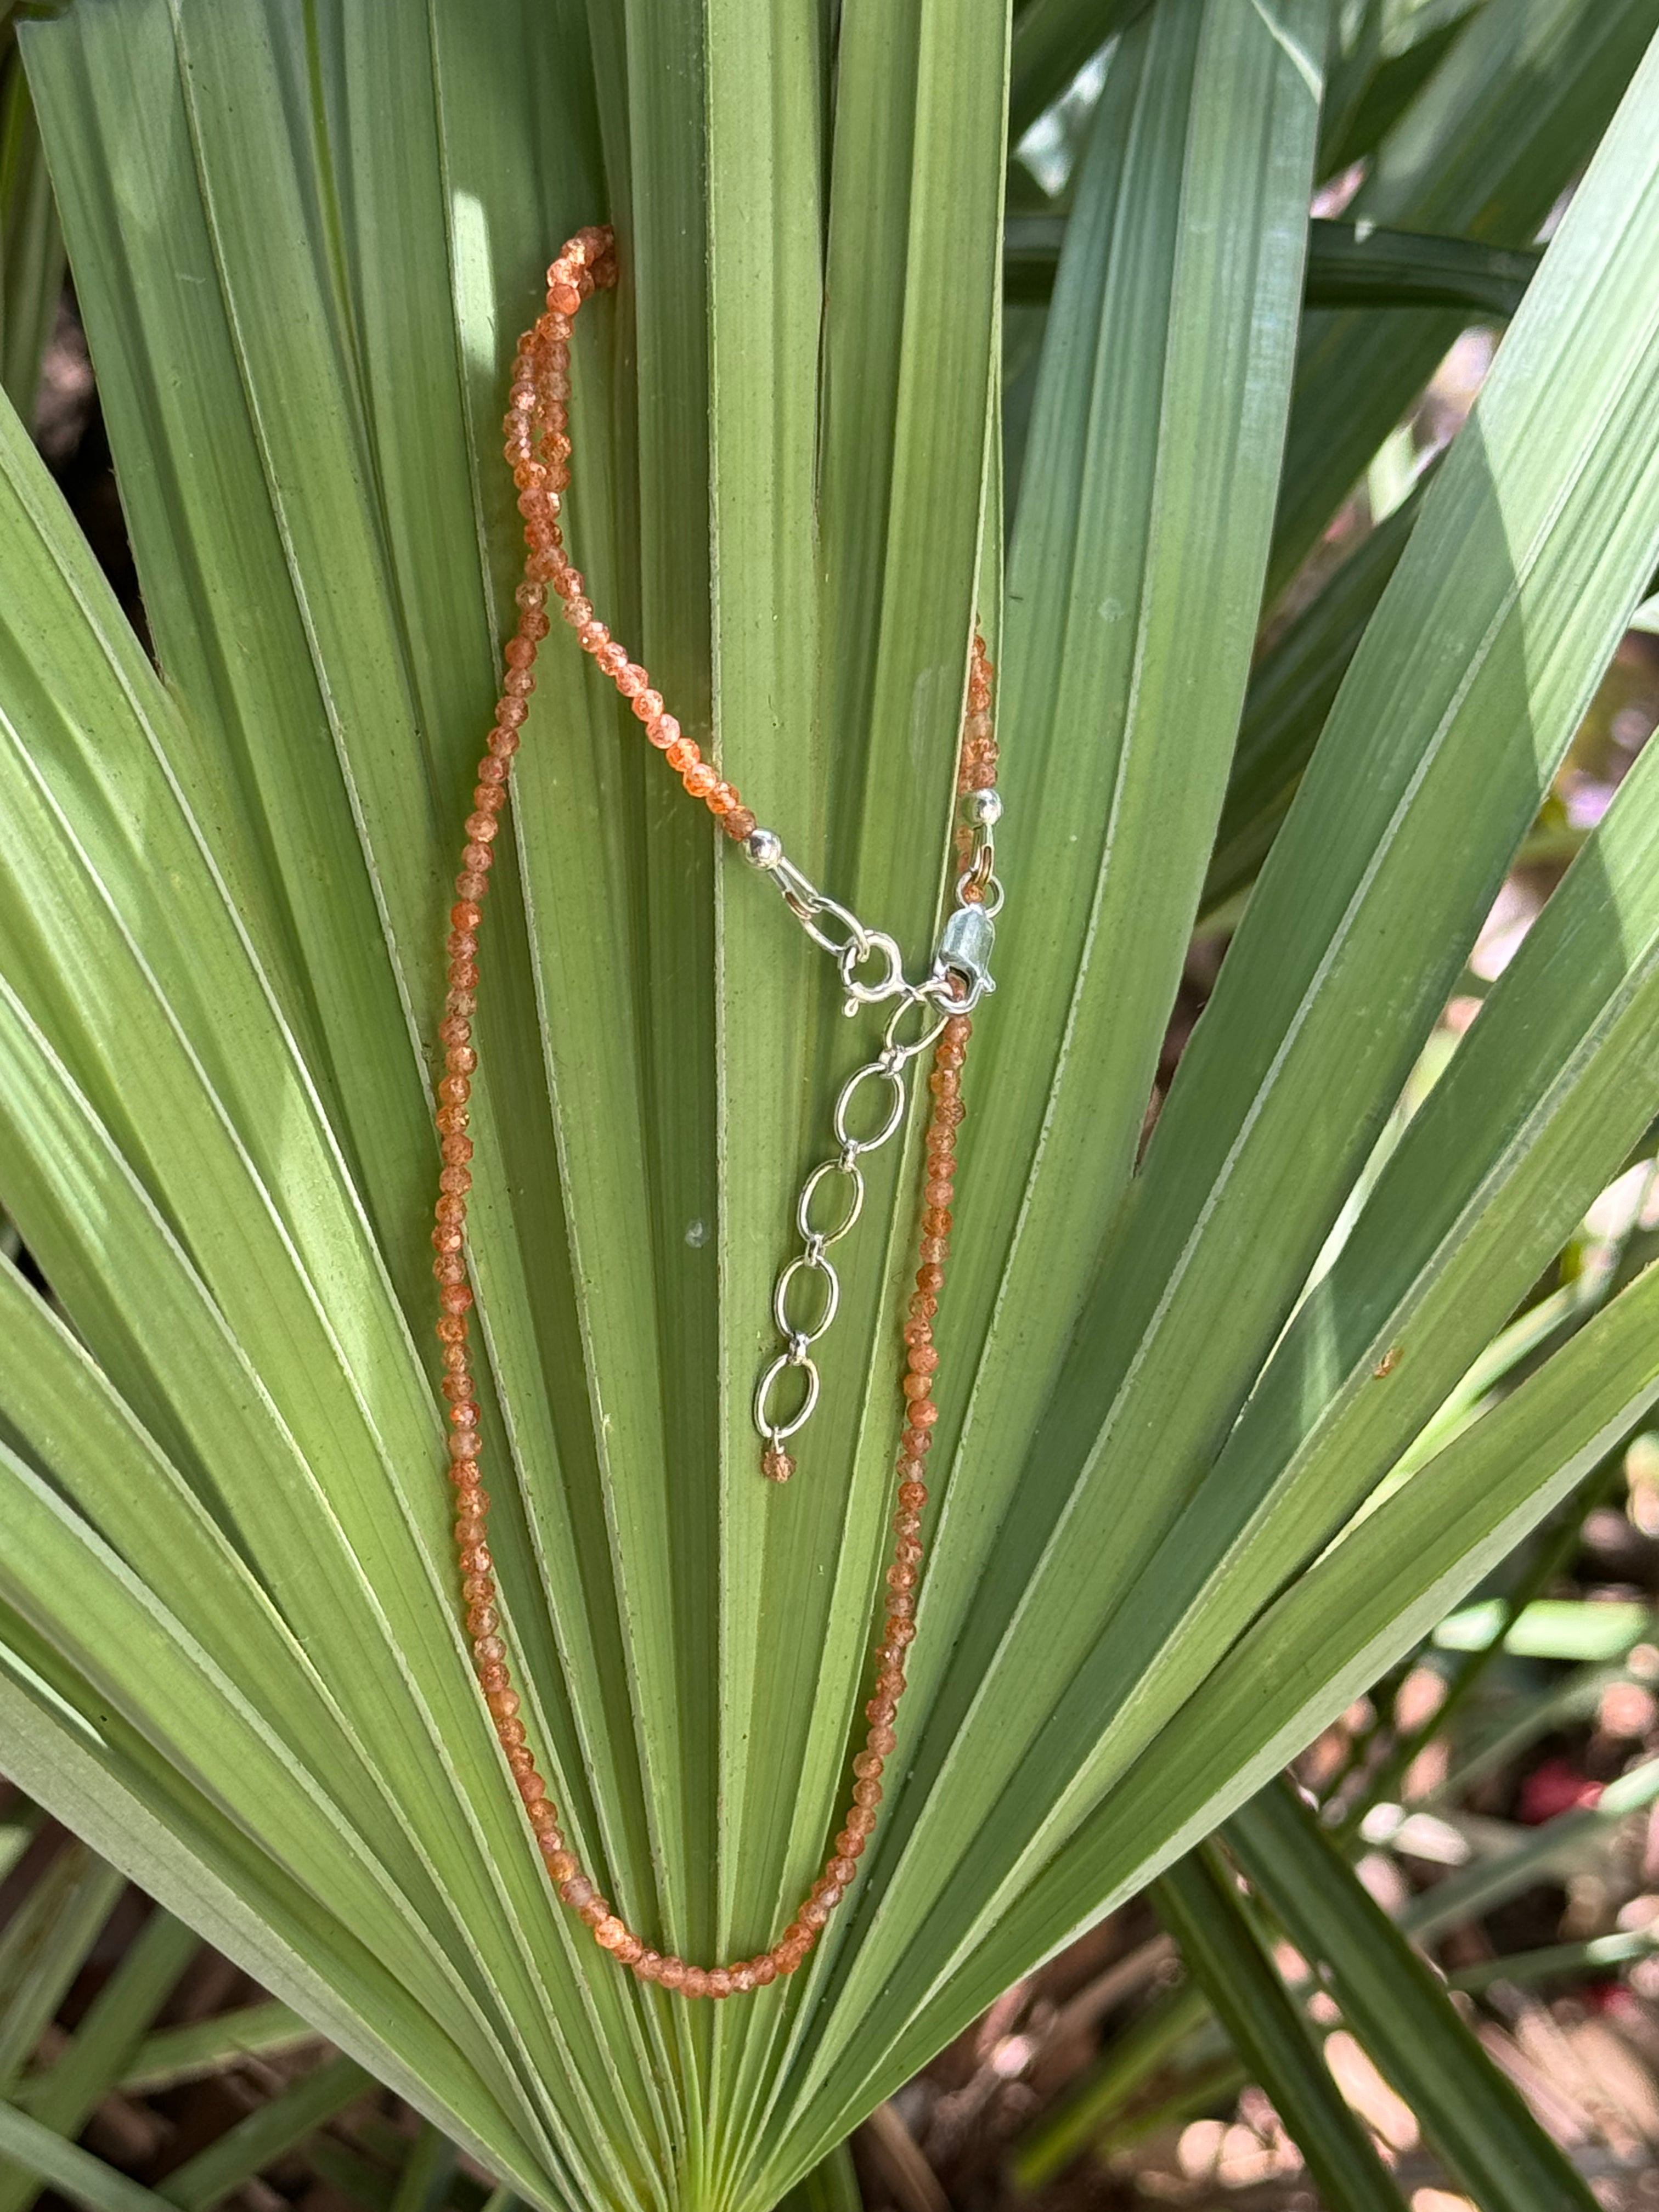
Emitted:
pixel 230 1653
pixel 1493 139
pixel 30 242
pixel 1477 2119
pixel 1226 1953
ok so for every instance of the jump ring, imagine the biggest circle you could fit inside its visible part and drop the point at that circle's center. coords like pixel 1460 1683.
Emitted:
pixel 992 906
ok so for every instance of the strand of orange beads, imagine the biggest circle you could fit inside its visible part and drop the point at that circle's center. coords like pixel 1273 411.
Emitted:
pixel 538 448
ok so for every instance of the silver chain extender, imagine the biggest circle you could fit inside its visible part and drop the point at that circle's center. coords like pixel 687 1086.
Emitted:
pixel 957 978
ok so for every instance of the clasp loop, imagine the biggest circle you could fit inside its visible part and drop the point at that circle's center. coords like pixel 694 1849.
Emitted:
pixel 806 902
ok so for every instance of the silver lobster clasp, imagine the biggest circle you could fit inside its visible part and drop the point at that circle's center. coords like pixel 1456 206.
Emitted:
pixel 964 951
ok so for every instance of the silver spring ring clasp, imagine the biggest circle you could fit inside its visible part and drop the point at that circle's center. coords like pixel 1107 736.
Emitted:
pixel 853 957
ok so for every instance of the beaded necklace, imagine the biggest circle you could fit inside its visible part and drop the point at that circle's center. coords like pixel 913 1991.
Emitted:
pixel 935 1012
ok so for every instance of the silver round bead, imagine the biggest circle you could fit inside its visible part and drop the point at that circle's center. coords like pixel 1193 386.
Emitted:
pixel 982 808
pixel 762 848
